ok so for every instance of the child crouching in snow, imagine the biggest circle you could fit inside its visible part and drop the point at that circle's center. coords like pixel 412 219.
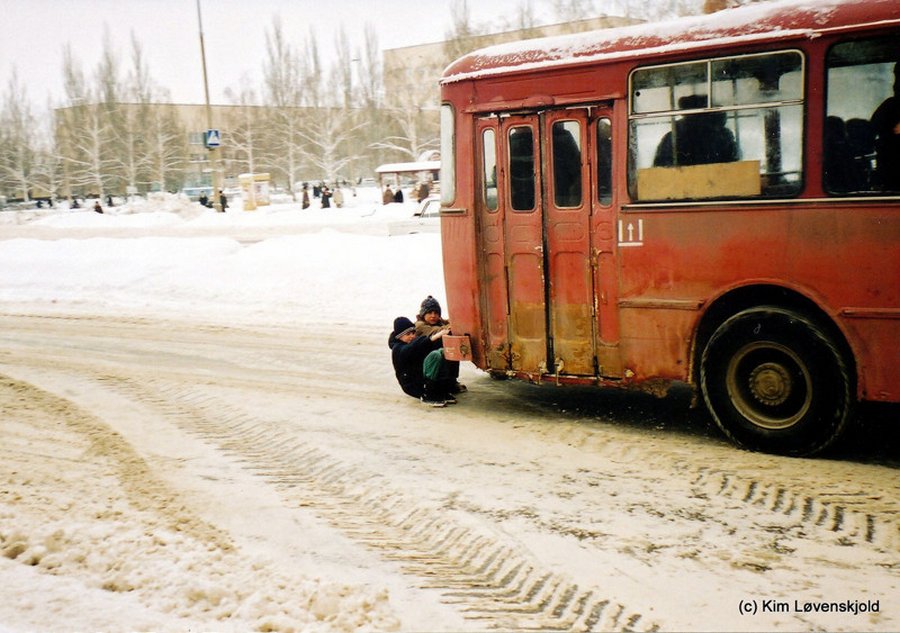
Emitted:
pixel 429 321
pixel 419 364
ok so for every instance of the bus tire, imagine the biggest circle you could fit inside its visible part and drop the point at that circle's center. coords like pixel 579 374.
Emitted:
pixel 774 381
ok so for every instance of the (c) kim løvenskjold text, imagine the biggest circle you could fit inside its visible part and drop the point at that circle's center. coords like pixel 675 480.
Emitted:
pixel 804 606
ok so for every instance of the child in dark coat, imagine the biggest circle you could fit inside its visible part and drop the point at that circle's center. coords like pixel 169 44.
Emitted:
pixel 419 364
pixel 429 321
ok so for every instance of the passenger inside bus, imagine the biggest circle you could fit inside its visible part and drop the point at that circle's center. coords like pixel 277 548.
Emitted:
pixel 697 139
pixel 566 165
pixel 886 126
pixel 521 168
pixel 849 152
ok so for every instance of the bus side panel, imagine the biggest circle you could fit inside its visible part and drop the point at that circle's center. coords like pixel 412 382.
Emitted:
pixel 878 355
pixel 690 255
pixel 849 256
pixel 656 342
pixel 671 263
pixel 461 280
pixel 458 244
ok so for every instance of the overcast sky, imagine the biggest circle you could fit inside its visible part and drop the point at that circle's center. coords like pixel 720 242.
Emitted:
pixel 34 33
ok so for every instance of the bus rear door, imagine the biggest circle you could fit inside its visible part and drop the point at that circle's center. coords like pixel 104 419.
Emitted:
pixel 523 235
pixel 567 231
pixel 534 221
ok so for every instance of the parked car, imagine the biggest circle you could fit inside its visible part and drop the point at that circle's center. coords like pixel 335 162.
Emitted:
pixel 430 207
pixel 425 219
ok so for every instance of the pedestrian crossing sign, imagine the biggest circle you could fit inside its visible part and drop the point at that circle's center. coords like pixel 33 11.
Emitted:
pixel 213 138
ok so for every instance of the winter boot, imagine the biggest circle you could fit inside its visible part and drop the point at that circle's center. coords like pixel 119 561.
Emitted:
pixel 433 395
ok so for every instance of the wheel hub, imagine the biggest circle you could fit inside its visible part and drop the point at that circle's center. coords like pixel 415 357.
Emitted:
pixel 770 384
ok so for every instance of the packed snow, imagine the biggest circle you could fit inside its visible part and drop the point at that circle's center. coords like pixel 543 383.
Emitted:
pixel 95 545
pixel 277 264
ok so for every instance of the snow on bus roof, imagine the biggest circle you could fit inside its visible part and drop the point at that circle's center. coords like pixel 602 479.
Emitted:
pixel 779 18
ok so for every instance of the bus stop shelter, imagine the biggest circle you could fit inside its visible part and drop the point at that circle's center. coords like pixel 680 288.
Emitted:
pixel 393 173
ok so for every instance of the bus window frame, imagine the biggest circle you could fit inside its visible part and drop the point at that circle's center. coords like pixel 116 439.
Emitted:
pixel 485 200
pixel 448 153
pixel 603 200
pixel 800 102
pixel 535 144
pixel 828 184
pixel 554 164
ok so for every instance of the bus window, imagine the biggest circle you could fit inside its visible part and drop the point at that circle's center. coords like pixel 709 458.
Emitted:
pixel 448 155
pixel 489 166
pixel 567 163
pixel 521 169
pixel 604 161
pixel 729 127
pixel 860 145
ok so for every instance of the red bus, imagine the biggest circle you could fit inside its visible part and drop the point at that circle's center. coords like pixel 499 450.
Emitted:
pixel 711 201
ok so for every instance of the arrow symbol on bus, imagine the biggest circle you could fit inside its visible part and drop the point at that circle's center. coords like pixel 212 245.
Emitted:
pixel 629 230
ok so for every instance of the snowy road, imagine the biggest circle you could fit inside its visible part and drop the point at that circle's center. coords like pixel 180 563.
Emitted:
pixel 521 507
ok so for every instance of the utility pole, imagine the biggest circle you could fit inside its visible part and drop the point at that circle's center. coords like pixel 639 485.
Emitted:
pixel 213 151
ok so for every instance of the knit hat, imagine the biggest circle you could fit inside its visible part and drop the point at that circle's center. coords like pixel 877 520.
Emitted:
pixel 430 305
pixel 402 326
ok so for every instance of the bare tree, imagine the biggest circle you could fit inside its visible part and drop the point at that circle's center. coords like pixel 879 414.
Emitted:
pixel 460 39
pixel 245 133
pixel 572 10
pixel 343 68
pixel 525 19
pixel 369 102
pixel 165 145
pixel 48 161
pixel 653 11
pixel 370 73
pixel 18 136
pixel 314 92
pixel 71 124
pixel 131 121
pixel 413 116
pixel 92 166
pixel 284 95
pixel 115 143
pixel 328 134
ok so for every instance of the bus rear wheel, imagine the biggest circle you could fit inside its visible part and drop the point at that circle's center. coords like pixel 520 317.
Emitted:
pixel 775 382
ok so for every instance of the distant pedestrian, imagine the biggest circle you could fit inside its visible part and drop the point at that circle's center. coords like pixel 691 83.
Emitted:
pixel 338 197
pixel 388 195
pixel 305 198
pixel 398 197
pixel 97 207
pixel 326 197
pixel 422 191
pixel 223 201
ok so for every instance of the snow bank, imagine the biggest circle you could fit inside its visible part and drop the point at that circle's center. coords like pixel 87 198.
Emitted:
pixel 283 278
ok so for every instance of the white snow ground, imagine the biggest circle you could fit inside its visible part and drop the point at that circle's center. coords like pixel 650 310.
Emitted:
pixel 171 258
pixel 92 561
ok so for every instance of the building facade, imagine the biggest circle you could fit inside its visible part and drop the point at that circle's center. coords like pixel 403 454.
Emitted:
pixel 115 149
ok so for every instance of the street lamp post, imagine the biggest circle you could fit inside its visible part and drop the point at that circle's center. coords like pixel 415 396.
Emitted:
pixel 213 151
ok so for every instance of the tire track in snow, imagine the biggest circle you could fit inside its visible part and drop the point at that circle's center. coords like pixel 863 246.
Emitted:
pixel 828 496
pixel 491 581
pixel 853 510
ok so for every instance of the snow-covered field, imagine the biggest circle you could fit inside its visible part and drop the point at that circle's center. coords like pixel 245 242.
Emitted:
pixel 277 263
pixel 169 258
pixel 201 431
